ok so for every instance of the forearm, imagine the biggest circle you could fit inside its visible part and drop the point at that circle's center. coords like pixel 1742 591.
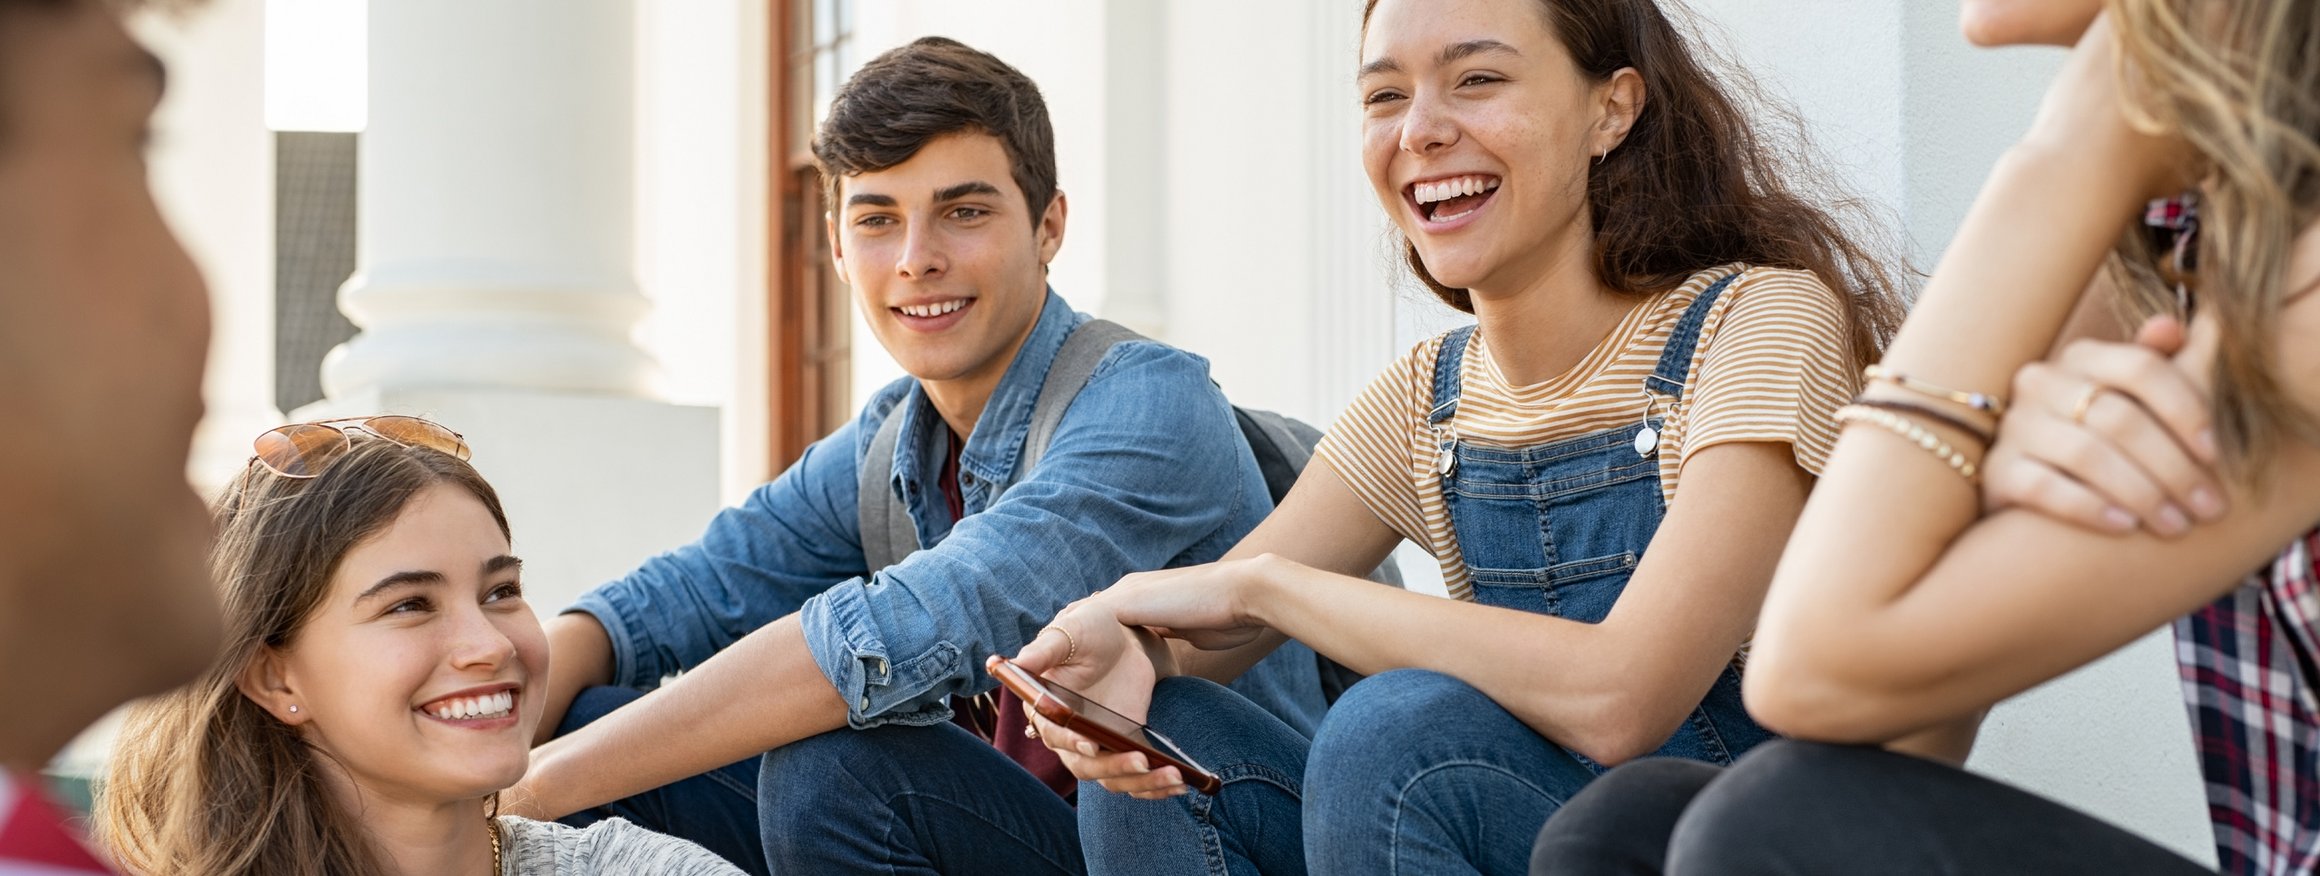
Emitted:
pixel 763 692
pixel 579 657
pixel 1576 683
pixel 2049 214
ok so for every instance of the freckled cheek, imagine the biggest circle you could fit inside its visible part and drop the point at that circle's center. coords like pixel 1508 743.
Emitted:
pixel 1380 142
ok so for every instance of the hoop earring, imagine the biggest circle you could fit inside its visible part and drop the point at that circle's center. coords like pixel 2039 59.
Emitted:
pixel 1599 156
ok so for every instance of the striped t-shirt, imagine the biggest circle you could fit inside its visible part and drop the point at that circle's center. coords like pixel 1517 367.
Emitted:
pixel 1771 365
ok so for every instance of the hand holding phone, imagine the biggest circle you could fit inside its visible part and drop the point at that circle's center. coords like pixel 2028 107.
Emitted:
pixel 1068 709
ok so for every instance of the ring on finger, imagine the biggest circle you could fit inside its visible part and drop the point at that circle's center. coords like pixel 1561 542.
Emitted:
pixel 2086 399
pixel 1030 731
pixel 1073 645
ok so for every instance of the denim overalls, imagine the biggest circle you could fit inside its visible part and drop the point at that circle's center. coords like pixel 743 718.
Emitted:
pixel 1557 528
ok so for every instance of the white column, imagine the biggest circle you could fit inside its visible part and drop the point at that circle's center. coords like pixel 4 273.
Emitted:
pixel 496 201
pixel 496 287
pixel 213 174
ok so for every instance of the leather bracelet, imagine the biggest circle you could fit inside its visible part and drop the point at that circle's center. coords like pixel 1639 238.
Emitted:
pixel 1936 414
pixel 1980 401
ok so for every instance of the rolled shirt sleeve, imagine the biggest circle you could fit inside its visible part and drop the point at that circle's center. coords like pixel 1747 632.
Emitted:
pixel 757 562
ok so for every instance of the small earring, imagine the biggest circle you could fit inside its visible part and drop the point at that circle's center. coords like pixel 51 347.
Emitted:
pixel 293 710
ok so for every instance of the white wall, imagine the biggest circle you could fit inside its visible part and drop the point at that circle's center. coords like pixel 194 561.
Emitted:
pixel 701 189
pixel 213 174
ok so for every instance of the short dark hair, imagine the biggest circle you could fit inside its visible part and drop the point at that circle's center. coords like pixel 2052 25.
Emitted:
pixel 903 99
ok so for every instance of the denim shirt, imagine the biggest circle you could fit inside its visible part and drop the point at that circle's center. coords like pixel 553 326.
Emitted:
pixel 1147 470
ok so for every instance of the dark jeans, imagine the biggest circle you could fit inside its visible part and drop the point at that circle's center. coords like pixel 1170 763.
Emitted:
pixel 716 809
pixel 893 799
pixel 1806 808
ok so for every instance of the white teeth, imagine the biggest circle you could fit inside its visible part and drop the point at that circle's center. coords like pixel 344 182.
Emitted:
pixel 487 706
pixel 929 310
pixel 1443 190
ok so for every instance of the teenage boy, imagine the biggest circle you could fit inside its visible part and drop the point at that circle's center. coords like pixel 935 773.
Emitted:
pixel 863 687
pixel 104 326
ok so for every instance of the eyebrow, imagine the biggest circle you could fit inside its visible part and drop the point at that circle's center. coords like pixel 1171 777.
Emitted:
pixel 870 201
pixel 400 580
pixel 422 578
pixel 977 187
pixel 1450 54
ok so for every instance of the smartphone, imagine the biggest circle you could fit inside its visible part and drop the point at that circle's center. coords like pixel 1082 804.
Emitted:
pixel 1108 728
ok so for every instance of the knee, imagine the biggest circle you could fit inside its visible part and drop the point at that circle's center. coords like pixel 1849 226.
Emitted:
pixel 1762 802
pixel 1622 821
pixel 1386 713
pixel 796 782
pixel 1180 697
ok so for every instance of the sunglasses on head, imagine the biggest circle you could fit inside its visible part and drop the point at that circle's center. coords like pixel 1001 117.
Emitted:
pixel 303 450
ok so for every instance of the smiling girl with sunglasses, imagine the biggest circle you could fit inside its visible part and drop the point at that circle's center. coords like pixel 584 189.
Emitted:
pixel 380 685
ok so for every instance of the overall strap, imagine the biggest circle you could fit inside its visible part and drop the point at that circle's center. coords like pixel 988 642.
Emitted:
pixel 1082 351
pixel 887 533
pixel 1675 359
pixel 1448 364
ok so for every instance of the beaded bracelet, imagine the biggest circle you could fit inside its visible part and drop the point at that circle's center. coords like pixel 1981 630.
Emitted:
pixel 1940 416
pixel 1980 401
pixel 1916 434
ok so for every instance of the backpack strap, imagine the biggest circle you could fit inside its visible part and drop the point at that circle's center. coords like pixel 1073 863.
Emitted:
pixel 1082 351
pixel 1675 359
pixel 887 533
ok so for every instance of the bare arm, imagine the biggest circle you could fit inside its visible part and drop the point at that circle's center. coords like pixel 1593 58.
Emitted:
pixel 1889 617
pixel 580 657
pixel 1320 524
pixel 1611 691
pixel 761 693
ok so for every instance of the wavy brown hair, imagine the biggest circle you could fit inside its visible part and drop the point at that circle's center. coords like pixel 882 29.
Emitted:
pixel 2240 83
pixel 204 781
pixel 1697 182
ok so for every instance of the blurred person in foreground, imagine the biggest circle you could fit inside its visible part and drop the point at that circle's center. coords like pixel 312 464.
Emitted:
pixel 104 326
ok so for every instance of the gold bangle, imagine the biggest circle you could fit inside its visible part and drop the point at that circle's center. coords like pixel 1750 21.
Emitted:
pixel 1980 401
pixel 1915 433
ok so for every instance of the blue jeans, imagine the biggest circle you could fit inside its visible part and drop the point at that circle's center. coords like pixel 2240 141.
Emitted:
pixel 716 809
pixel 892 799
pixel 1250 826
pixel 1413 772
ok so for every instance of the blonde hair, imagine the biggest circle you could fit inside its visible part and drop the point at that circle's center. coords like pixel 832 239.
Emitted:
pixel 2239 82
pixel 204 781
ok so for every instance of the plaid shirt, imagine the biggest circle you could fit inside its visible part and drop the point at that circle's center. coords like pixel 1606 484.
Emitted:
pixel 33 838
pixel 2247 667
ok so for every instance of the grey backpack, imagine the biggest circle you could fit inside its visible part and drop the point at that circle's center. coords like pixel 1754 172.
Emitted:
pixel 1282 445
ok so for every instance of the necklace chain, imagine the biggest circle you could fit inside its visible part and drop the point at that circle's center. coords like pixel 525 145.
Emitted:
pixel 493 824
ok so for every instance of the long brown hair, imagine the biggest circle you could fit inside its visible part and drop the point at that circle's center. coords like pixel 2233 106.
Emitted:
pixel 204 780
pixel 2240 83
pixel 1697 183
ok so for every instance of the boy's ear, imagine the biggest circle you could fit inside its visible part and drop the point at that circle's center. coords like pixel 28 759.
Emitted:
pixel 1051 228
pixel 267 682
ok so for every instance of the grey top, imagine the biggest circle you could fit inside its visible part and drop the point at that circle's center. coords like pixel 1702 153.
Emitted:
pixel 611 847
